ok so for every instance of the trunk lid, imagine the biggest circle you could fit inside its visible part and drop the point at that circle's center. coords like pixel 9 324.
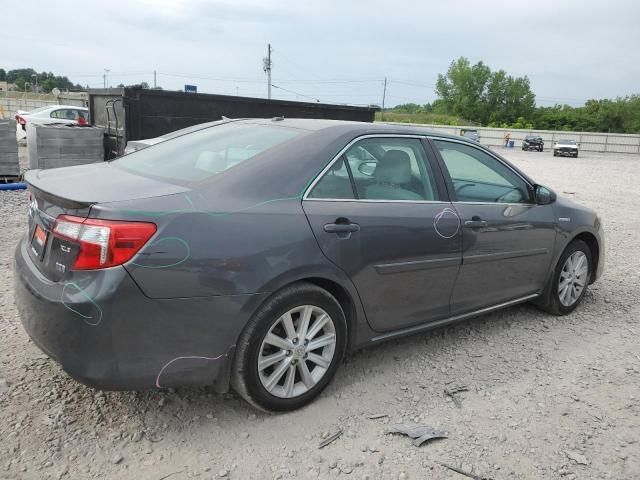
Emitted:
pixel 74 191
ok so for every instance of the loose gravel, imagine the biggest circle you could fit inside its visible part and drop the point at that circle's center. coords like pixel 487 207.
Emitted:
pixel 547 397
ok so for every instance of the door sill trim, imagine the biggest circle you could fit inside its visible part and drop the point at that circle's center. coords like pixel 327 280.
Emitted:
pixel 455 318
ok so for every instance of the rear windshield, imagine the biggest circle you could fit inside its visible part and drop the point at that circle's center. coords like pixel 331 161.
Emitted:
pixel 193 128
pixel 38 110
pixel 204 153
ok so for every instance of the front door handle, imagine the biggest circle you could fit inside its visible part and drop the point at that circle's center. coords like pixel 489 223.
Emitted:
pixel 341 227
pixel 475 222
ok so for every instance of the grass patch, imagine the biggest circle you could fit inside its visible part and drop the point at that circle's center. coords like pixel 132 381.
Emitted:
pixel 426 118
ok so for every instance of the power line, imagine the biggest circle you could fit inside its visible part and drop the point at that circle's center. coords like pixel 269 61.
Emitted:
pixel 207 77
pixel 296 93
pixel 371 80
pixel 412 83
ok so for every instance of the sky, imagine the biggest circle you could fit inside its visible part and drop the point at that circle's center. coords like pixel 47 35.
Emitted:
pixel 332 51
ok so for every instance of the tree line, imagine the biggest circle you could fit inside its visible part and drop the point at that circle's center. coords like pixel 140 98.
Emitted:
pixel 496 99
pixel 25 80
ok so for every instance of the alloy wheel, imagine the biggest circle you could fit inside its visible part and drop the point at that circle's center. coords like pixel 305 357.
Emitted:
pixel 297 351
pixel 573 278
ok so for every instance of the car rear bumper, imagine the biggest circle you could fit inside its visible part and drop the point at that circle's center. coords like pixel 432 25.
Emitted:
pixel 105 333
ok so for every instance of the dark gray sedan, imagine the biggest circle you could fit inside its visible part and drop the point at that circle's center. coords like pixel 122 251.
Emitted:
pixel 254 253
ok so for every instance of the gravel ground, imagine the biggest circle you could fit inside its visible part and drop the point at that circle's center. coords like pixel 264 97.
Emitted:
pixel 548 397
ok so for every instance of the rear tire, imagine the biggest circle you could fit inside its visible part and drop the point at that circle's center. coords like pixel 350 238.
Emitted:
pixel 301 377
pixel 569 281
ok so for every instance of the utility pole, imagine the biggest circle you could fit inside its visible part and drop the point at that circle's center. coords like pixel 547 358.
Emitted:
pixel 384 96
pixel 155 84
pixel 105 77
pixel 267 68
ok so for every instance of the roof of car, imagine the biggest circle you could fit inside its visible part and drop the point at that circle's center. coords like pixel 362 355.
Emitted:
pixel 69 106
pixel 345 126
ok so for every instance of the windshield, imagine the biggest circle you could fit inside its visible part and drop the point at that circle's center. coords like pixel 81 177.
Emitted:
pixel 567 142
pixel 204 153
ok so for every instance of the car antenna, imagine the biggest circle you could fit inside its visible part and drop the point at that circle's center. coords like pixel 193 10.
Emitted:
pixel 278 119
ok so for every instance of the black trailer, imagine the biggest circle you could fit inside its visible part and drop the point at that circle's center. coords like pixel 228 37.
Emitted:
pixel 136 113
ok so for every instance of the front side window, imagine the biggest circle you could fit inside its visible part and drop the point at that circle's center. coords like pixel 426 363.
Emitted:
pixel 380 169
pixel 479 177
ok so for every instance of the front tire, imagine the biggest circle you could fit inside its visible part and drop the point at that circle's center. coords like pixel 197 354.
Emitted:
pixel 569 281
pixel 291 348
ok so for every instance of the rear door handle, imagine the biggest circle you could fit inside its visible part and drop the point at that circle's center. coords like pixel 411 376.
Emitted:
pixel 475 222
pixel 341 227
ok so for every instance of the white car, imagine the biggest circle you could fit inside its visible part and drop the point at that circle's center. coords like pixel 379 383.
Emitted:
pixel 566 147
pixel 69 114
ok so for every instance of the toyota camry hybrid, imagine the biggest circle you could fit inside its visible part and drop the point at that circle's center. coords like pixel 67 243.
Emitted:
pixel 253 254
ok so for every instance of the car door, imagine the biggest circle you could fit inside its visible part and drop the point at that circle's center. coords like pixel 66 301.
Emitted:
pixel 507 239
pixel 379 212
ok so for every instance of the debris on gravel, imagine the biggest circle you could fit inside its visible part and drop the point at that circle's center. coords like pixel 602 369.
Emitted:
pixel 549 397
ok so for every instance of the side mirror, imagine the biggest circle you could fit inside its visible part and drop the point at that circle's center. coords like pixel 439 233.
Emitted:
pixel 367 168
pixel 544 195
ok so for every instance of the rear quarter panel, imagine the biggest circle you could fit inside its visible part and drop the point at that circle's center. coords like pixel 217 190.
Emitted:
pixel 232 250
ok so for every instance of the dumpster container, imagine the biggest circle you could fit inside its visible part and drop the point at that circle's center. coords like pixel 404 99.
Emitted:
pixel 137 114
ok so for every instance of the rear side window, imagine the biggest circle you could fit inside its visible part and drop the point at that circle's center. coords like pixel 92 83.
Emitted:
pixel 335 184
pixel 58 114
pixel 204 153
pixel 384 169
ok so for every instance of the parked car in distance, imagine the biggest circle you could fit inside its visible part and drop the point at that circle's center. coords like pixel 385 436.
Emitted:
pixel 533 142
pixel 470 134
pixel 69 114
pixel 255 253
pixel 565 147
pixel 135 145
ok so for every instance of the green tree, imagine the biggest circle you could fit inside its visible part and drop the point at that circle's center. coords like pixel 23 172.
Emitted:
pixel 20 83
pixel 49 84
pixel 474 92
pixel 462 89
pixel 3 75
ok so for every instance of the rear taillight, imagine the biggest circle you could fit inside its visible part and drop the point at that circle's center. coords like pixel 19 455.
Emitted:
pixel 20 120
pixel 103 243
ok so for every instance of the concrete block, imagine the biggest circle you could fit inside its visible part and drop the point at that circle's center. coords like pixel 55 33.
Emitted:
pixel 53 146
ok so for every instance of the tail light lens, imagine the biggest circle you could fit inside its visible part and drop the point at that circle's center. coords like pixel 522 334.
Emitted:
pixel 103 243
pixel 20 120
